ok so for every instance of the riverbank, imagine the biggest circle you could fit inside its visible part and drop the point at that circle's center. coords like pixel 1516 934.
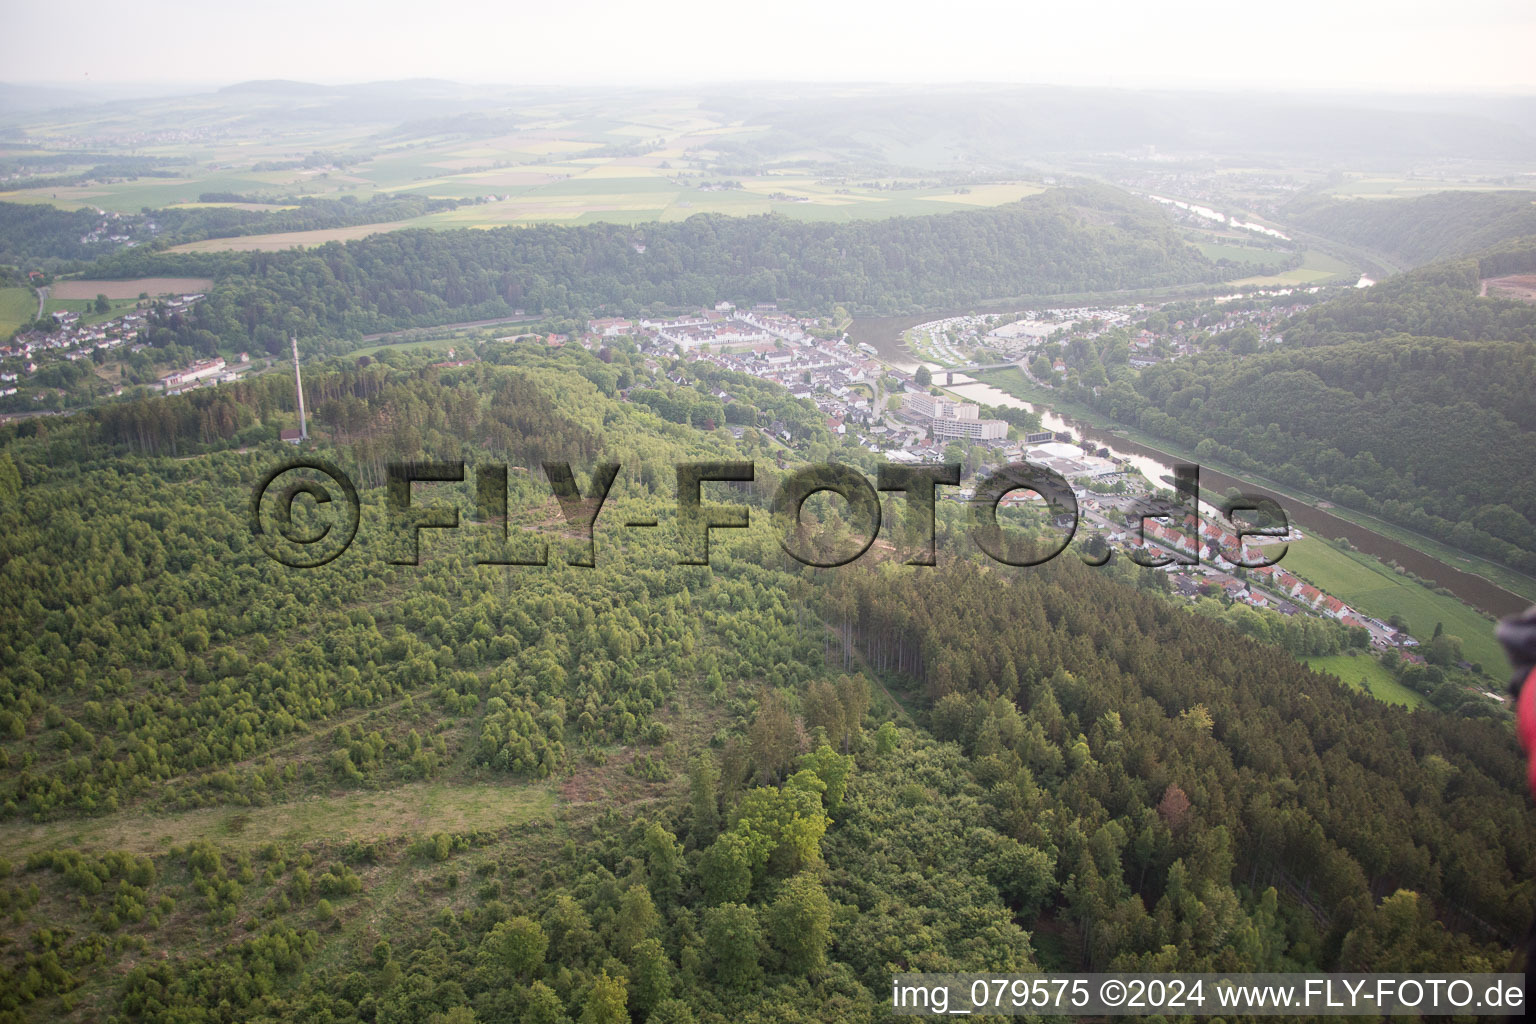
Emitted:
pixel 1487 587
pixel 1469 586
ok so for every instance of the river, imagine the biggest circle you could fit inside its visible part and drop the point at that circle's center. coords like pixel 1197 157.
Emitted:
pixel 884 333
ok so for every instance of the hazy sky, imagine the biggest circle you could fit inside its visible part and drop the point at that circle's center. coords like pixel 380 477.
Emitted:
pixel 1370 44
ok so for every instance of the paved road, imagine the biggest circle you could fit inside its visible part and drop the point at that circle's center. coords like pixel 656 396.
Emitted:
pixel 42 300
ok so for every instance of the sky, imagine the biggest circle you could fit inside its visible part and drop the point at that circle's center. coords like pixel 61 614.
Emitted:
pixel 1373 45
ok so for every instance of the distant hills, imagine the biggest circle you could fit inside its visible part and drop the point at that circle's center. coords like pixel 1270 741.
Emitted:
pixel 1008 129
pixel 22 98
pixel 288 86
pixel 1007 126
pixel 1422 230
pixel 276 85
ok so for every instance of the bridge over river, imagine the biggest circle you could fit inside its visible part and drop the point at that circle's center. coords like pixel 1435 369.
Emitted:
pixel 971 368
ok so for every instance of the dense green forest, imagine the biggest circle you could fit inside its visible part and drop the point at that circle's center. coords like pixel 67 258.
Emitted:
pixel 309 213
pixel 1409 400
pixel 1422 230
pixel 1062 241
pixel 748 791
pixel 36 236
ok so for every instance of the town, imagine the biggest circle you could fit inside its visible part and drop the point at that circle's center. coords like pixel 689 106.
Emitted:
pixel 72 337
pixel 1051 345
pixel 893 412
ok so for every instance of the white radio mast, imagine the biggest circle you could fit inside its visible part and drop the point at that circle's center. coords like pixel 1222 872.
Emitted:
pixel 298 385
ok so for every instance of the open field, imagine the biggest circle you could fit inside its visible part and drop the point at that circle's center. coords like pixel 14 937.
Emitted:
pixel 252 207
pixel 16 307
pixel 1513 286
pixel 415 809
pixel 130 289
pixel 1364 672
pixel 659 159
pixel 290 239
pixel 1237 253
pixel 1316 268
pixel 435 345
pixel 988 195
pixel 655 161
pixel 87 309
pixel 1364 583
pixel 1387 187
pixel 133 195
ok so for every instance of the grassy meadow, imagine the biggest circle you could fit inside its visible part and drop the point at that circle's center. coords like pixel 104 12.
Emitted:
pixel 412 809
pixel 1362 582
pixel 1371 186
pixel 1226 250
pixel 1316 268
pixel 17 305
pixel 1364 672
pixel 87 309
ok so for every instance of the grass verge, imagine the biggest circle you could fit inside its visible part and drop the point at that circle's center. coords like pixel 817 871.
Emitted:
pixel 414 809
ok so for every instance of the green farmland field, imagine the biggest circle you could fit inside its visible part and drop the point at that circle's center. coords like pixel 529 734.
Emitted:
pixel 1316 268
pixel 16 307
pixel 1369 586
pixel 1237 253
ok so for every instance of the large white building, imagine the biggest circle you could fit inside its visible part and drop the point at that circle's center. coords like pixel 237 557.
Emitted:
pixel 195 372
pixel 948 418
pixel 978 430
pixel 934 407
pixel 1069 460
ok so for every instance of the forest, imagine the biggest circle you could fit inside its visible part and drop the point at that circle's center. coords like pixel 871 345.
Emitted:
pixel 1408 400
pixel 308 213
pixel 1426 229
pixel 746 791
